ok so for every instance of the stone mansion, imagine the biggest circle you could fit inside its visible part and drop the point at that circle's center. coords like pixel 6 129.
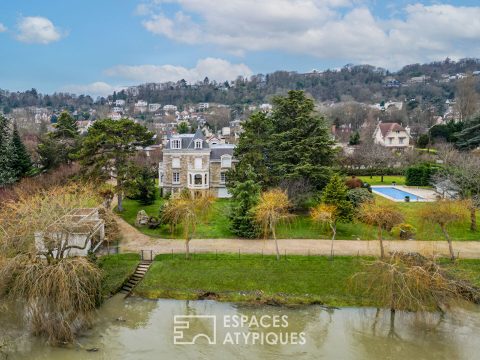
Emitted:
pixel 190 162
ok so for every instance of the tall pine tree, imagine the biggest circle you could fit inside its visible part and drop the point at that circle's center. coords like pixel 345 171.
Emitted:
pixel 291 143
pixel 58 147
pixel 21 161
pixel 7 173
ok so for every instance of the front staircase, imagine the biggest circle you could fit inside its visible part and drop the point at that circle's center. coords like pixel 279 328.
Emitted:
pixel 137 276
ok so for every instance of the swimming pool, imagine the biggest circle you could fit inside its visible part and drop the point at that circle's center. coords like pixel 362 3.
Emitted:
pixel 394 193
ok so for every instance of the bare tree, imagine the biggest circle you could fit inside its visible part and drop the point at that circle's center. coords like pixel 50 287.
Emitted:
pixel 326 214
pixel 273 207
pixel 443 213
pixel 383 216
pixel 57 294
pixel 466 98
pixel 188 211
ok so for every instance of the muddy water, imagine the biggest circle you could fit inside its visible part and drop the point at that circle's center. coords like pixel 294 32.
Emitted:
pixel 144 329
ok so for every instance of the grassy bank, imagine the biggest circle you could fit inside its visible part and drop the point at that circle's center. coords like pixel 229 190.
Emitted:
pixel 254 278
pixel 300 227
pixel 226 277
pixel 116 270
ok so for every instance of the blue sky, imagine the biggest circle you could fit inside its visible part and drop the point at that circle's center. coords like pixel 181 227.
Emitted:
pixel 98 46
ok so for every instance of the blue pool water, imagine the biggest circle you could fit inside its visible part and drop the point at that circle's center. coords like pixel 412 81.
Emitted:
pixel 395 193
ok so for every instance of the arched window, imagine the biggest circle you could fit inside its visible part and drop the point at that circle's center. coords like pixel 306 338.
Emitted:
pixel 198 144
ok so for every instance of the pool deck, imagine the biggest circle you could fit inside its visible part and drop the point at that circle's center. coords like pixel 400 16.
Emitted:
pixel 427 195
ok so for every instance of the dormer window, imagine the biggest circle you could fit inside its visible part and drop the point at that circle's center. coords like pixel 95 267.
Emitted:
pixel 198 144
pixel 226 161
pixel 176 144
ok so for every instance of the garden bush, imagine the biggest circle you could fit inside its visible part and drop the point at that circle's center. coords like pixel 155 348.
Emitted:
pixel 420 175
pixel 354 182
pixel 403 231
pixel 358 196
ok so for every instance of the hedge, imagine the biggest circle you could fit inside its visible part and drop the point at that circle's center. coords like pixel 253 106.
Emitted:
pixel 420 175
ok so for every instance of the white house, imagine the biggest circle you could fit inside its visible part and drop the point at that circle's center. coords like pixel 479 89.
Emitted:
pixel 119 102
pixel 74 234
pixel 154 107
pixel 169 108
pixel 392 135
pixel 266 107
pixel 141 106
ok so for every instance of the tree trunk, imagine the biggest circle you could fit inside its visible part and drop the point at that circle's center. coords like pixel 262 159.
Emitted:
pixel 473 218
pixel 381 179
pixel 392 322
pixel 334 233
pixel 276 242
pixel 380 238
pixel 120 202
pixel 187 248
pixel 450 246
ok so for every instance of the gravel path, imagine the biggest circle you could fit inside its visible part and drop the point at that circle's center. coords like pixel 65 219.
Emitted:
pixel 134 241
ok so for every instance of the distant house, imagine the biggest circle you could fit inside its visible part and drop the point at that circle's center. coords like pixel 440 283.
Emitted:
pixel 266 107
pixel 141 106
pixel 169 108
pixel 154 107
pixel 392 135
pixel 120 102
pixel 189 162
pixel 418 79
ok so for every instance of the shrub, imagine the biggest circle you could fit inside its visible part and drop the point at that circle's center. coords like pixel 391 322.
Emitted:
pixel 420 175
pixel 358 196
pixel 354 182
pixel 403 231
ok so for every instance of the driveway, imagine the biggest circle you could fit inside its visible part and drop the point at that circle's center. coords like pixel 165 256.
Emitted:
pixel 134 241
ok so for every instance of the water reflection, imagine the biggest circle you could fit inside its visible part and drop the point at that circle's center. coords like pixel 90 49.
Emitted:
pixel 143 329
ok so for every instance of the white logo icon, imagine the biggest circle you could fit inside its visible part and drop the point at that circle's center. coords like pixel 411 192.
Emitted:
pixel 188 328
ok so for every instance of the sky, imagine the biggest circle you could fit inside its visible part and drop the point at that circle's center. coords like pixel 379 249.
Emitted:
pixel 98 46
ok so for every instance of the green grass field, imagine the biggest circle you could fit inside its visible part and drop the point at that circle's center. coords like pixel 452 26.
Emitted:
pixel 254 278
pixel 297 279
pixel 300 227
pixel 387 180
pixel 116 269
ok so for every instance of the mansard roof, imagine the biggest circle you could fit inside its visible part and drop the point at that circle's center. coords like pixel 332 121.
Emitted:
pixel 188 140
pixel 217 151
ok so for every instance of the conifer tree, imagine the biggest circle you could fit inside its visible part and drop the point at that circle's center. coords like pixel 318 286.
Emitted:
pixel 336 193
pixel 21 161
pixel 7 173
pixel 58 147
pixel 245 197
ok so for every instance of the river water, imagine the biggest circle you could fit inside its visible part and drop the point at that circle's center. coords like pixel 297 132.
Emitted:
pixel 144 329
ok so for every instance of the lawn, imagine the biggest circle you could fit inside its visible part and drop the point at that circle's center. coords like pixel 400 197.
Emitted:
pixel 263 279
pixel 216 225
pixel 387 180
pixel 296 279
pixel 467 269
pixel 116 270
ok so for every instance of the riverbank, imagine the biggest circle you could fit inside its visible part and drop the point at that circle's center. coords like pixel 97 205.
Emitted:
pixel 293 280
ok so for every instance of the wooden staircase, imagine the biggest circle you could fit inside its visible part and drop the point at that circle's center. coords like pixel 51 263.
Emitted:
pixel 137 276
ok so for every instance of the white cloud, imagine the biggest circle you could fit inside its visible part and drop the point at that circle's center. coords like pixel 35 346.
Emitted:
pixel 37 30
pixel 95 89
pixel 215 69
pixel 3 28
pixel 330 29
